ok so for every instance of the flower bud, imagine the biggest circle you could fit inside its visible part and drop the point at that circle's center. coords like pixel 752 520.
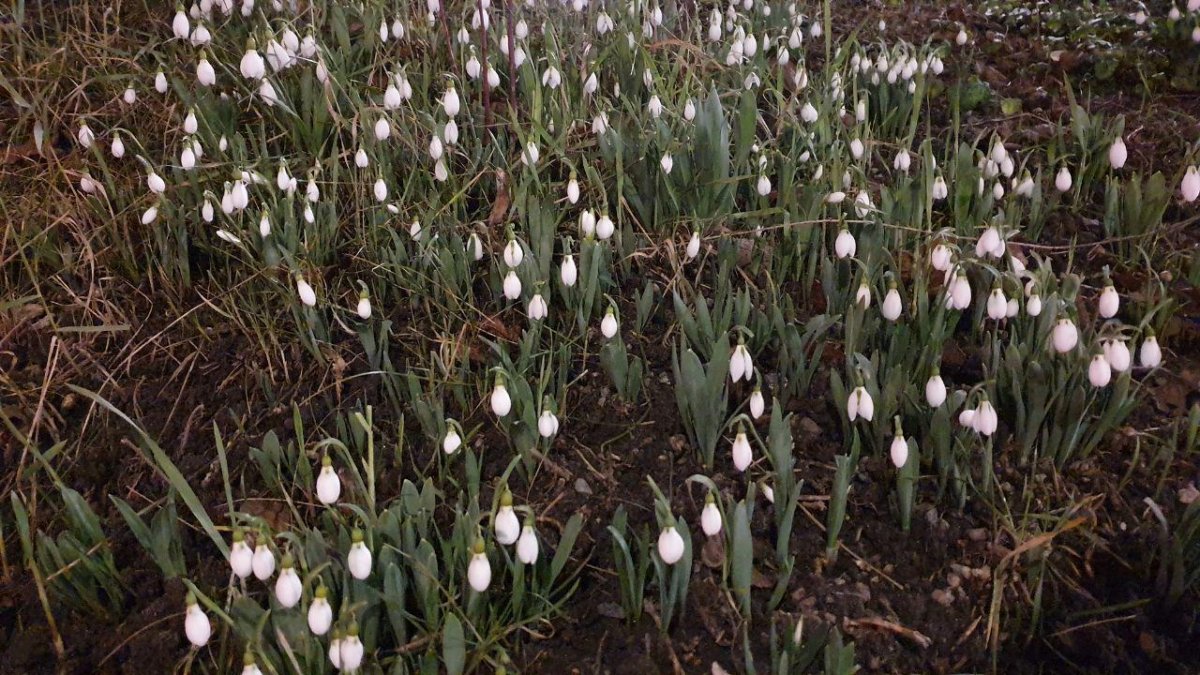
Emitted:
pixel 288 588
pixel 935 390
pixel 670 545
pixel 479 570
pixel 710 517
pixel 320 614
pixel 329 485
pixel 501 403
pixel 240 556
pixel 196 624
pixel 757 403
pixel 358 560
pixel 1065 336
pixel 1099 371
pixel 568 272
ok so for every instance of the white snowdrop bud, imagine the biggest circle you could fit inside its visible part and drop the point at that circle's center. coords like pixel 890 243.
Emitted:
pixel 860 404
pixel 307 295
pixel 587 223
pixel 383 129
pixel 862 204
pixel 206 211
pixel 1190 186
pixel 240 556
pixel 808 113
pixel 537 309
pixel 1099 371
pixel 358 559
pixel 1117 154
pixel 710 517
pixel 670 545
pixel 960 292
pixel 655 106
pixel 899 451
pixel 939 258
pixel 85 135
pixel 1033 306
pixel 547 424
pixel 835 197
pixel 568 272
pixel 196 624
pixel 500 400
pixel 862 297
pixel 757 403
pixel 179 25
pixel 187 158
pixel 450 101
pixel 667 163
pixel 156 183
pixel 1117 354
pixel 391 97
pixel 742 453
pixel 689 110
pixel 150 215
pixel 351 651
pixel 961 38
pixel 1109 302
pixel 966 418
pixel 1150 354
pixel 892 305
pixel 986 419
pixel 512 285
pixel 440 172
pixel 263 563
pixel 506 525
pixel 452 441
pixel 604 227
pixel 288 587
pixel 513 253
pixel 329 485
pixel 363 308
pixel 527 545
pixel 1064 336
pixel 935 390
pixel 475 247
pixel 764 186
pixel 118 146
pixel 361 160
pixel 988 242
pixel 479 571
pixel 1062 181
pixel 252 65
pixel 381 190
pixel 845 246
pixel 903 161
pixel 997 305
pixel 264 225
pixel 320 614
pixel 693 246
pixel 530 155
pixel 160 82
pixel 573 190
pixel 741 364
pixel 608 325
pixel 1013 308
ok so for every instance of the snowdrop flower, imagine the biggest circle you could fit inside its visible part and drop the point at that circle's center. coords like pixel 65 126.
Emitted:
pixel 961 38
pixel 892 305
pixel 88 184
pixel 479 571
pixel 986 420
pixel 505 524
pixel 452 441
pixel 1109 302
pixel 935 390
pixel 862 297
pixel 587 223
pixel 604 227
pixel 1062 181
pixel 267 91
pixel 764 185
pixel 320 614
pixel 757 403
pixel 264 226
pixel 527 545
pixel 307 295
pixel 693 246
pixel 547 423
pixel 573 189
pixel 195 624
pixel 205 74
pixel 85 135
pixel 966 418
pixel 513 253
pixel 335 648
pixel 997 304
pixel 989 243
pixel 862 204
pixel 903 161
pixel 860 404
pixel 1150 354
pixel 568 272
pixel 263 562
pixel 358 560
pixel 1190 186
pixel 118 146
pixel 1099 371
pixel 363 308
pixel 361 160
pixel 1064 336
pixel 899 449
pixel 150 215
pixel 741 364
pixel 252 65
pixel 591 84
pixel 383 129
pixel 1025 187
pixel 240 556
pixel 939 258
pixel 130 96
pixel 537 309
pixel 960 292
pixel 710 517
pixel 329 486
pixel 655 106
pixel 835 197
pixel 845 246
pixel 608 325
pixel 450 101
pixel 600 123
pixel 351 650
pixel 475 246
pixel 500 400
pixel 440 172
pixel 1116 352
pixel 288 588
pixel 808 113
pixel 512 285
pixel 187 158
pixel 381 189
pixel 1117 154
pixel 155 182
pixel 179 25
pixel 742 454
pixel 670 545
pixel 689 110
pixel 667 163
pixel 391 97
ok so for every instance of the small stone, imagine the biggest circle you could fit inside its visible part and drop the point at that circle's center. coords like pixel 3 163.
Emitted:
pixel 977 534
pixel 954 580
pixel 943 598
pixel 582 487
